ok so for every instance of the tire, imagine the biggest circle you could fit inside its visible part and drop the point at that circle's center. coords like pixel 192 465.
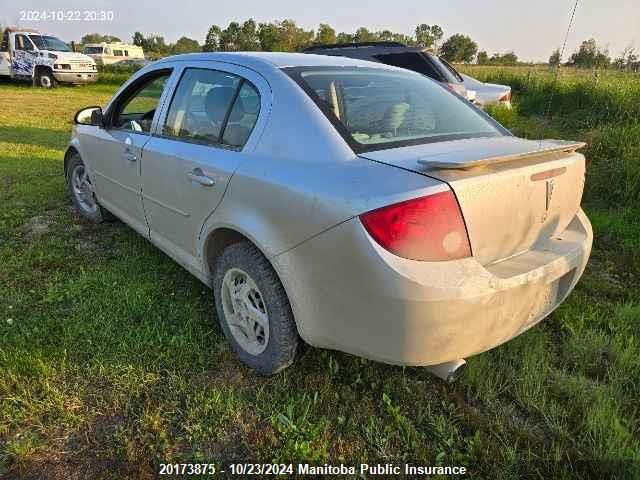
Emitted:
pixel 86 203
pixel 45 79
pixel 280 340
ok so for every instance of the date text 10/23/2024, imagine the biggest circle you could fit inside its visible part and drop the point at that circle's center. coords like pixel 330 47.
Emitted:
pixel 67 15
pixel 261 469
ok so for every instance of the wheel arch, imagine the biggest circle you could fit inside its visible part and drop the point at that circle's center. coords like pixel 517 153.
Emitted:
pixel 215 243
pixel 71 151
pixel 223 236
pixel 38 69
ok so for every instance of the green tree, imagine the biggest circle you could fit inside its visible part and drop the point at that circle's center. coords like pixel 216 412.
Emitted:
pixel 248 39
pixel 292 37
pixel 325 34
pixel 212 40
pixel 268 36
pixel 459 48
pixel 437 33
pixel 284 36
pixel 590 55
pixel 345 38
pixel 627 58
pixel 152 44
pixel 428 36
pixel 364 35
pixel 482 58
pixel 97 38
pixel 157 46
pixel 231 37
pixel 139 40
pixel 185 45
pixel 554 59
pixel 390 36
pixel 508 58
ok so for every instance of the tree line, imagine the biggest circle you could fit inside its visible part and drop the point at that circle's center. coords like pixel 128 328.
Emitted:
pixel 591 55
pixel 287 36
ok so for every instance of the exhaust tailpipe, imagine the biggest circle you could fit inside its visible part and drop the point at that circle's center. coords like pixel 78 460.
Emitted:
pixel 448 371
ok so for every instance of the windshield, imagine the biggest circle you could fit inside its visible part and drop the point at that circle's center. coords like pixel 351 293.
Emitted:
pixel 375 108
pixel 44 42
pixel 93 50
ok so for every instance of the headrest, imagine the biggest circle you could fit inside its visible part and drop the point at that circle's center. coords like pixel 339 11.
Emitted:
pixel 217 102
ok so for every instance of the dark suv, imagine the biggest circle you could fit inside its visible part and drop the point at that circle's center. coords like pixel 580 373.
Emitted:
pixel 399 55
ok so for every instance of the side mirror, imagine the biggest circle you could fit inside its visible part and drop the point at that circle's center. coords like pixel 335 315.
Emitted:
pixel 89 116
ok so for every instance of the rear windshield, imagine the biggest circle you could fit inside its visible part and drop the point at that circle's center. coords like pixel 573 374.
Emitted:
pixel 416 61
pixel 375 109
pixel 93 50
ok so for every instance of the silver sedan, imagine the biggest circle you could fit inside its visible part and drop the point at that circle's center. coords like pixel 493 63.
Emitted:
pixel 350 205
pixel 488 93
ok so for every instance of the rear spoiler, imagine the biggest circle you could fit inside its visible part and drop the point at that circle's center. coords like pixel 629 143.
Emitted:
pixel 546 146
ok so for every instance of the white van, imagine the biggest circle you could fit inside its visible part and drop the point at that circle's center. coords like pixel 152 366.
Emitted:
pixel 45 60
pixel 110 53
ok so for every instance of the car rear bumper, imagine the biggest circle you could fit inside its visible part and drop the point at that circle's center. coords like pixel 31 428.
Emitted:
pixel 349 294
pixel 76 77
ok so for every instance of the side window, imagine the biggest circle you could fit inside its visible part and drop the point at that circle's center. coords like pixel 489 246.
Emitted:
pixel 135 112
pixel 23 43
pixel 117 53
pixel 209 107
pixel 126 53
pixel 243 116
pixel 4 47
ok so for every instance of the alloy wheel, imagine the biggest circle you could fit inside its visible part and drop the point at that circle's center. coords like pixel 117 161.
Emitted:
pixel 245 311
pixel 83 189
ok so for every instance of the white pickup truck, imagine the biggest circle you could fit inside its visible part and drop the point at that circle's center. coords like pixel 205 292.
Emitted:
pixel 43 59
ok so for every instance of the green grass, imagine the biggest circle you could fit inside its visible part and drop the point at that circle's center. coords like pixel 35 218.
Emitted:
pixel 111 360
pixel 604 111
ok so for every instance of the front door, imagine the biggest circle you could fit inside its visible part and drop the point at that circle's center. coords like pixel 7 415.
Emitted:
pixel 24 56
pixel 199 143
pixel 117 149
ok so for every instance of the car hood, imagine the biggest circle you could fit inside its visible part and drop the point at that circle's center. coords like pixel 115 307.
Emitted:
pixel 67 56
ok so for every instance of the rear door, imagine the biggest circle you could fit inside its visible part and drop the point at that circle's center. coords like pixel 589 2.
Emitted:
pixel 209 127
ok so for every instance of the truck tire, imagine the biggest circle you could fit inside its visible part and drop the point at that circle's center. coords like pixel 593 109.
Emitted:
pixel 44 79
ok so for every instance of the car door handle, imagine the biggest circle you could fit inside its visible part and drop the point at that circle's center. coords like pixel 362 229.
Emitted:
pixel 129 156
pixel 197 175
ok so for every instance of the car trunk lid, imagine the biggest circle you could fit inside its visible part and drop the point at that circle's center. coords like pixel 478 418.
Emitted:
pixel 513 193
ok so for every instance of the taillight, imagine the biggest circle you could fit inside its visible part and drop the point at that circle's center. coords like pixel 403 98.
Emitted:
pixel 506 97
pixel 428 228
pixel 457 88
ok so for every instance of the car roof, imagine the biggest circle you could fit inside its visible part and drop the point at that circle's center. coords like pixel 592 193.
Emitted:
pixel 277 60
pixel 369 50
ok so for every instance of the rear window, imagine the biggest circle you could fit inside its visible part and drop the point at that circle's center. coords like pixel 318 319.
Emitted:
pixel 375 109
pixel 414 61
pixel 92 50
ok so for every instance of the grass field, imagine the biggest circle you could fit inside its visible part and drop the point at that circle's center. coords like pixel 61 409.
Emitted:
pixel 111 359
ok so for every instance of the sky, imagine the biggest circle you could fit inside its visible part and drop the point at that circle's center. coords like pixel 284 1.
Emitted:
pixel 533 29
